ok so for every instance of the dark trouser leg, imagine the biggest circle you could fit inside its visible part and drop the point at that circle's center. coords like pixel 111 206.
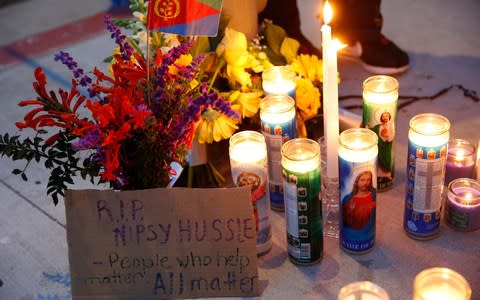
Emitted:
pixel 285 14
pixel 356 20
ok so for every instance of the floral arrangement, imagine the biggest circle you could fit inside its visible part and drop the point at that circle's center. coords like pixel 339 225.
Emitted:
pixel 234 67
pixel 133 124
pixel 160 92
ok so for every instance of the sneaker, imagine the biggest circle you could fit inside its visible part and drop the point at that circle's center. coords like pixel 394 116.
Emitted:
pixel 381 57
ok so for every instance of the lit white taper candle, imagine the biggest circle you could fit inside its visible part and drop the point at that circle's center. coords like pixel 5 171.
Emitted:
pixel 330 93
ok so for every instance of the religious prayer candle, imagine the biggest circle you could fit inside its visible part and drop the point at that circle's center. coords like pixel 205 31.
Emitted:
pixel 427 150
pixel 248 162
pixel 362 290
pixel 277 114
pixel 357 154
pixel 279 80
pixel 440 284
pixel 380 95
pixel 303 211
pixel 460 160
pixel 462 205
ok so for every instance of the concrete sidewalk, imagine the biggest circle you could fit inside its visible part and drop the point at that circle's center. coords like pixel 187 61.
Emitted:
pixel 442 37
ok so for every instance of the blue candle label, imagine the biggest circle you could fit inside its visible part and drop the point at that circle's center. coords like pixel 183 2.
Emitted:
pixel 275 135
pixel 290 93
pixel 256 176
pixel 423 200
pixel 381 119
pixel 358 198
pixel 303 214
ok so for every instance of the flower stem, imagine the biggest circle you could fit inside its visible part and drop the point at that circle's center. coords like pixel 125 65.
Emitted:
pixel 214 77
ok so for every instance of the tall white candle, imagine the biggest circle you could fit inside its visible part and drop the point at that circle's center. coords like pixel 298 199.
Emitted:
pixel 330 93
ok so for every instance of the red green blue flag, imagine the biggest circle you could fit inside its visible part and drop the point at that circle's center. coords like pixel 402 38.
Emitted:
pixel 184 17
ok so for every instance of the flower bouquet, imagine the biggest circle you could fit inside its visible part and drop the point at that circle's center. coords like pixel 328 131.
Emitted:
pixel 129 129
pixel 127 126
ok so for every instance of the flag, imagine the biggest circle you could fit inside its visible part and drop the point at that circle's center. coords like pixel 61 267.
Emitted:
pixel 184 17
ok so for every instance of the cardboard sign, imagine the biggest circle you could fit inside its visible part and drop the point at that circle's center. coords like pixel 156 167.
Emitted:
pixel 161 243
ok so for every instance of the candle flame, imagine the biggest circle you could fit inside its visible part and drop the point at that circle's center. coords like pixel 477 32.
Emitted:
pixel 327 13
pixel 459 155
pixel 337 45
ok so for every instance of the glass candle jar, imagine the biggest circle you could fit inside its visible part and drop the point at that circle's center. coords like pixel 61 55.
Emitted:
pixel 248 163
pixel 462 205
pixel 427 150
pixel 440 283
pixel 303 211
pixel 279 80
pixel 277 114
pixel 460 160
pixel 380 97
pixel 362 290
pixel 357 153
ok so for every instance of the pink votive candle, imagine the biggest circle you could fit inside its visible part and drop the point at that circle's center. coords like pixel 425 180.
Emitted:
pixel 462 206
pixel 460 160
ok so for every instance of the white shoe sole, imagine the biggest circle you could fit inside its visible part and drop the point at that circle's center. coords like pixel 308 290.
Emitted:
pixel 355 52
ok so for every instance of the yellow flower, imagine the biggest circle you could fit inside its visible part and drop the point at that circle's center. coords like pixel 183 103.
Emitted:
pixel 183 60
pixel 289 49
pixel 246 103
pixel 308 67
pixel 234 48
pixel 307 99
pixel 215 126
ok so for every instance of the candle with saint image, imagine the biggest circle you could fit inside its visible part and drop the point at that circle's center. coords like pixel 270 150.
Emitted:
pixel 460 160
pixel 380 95
pixel 440 283
pixel 248 164
pixel 462 206
pixel 357 154
pixel 330 93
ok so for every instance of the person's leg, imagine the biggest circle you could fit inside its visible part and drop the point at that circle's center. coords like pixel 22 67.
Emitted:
pixel 285 14
pixel 359 23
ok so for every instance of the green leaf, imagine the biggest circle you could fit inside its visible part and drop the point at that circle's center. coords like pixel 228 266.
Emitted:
pixel 24 177
pixel 17 171
pixel 202 45
pixel 55 198
pixel 274 36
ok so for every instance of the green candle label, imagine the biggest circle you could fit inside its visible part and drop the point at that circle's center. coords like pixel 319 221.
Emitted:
pixel 303 214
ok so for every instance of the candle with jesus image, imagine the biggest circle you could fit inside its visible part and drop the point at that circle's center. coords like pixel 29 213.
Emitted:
pixel 358 184
pixel 427 150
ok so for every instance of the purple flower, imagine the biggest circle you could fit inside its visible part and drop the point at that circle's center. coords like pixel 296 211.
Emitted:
pixel 89 141
pixel 72 65
pixel 120 39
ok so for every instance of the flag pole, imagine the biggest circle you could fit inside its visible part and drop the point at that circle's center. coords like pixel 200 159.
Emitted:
pixel 148 57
